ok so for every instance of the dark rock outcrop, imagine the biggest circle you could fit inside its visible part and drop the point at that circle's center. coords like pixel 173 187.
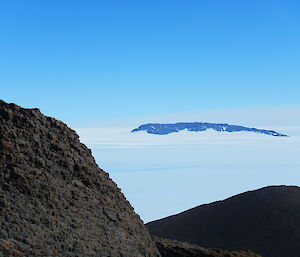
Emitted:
pixel 265 221
pixel 163 129
pixel 173 248
pixel 54 200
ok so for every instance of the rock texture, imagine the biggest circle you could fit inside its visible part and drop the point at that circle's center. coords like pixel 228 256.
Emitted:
pixel 54 200
pixel 173 248
pixel 265 221
pixel 163 129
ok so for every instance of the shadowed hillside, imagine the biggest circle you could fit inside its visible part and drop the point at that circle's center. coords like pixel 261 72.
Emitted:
pixel 173 248
pixel 266 221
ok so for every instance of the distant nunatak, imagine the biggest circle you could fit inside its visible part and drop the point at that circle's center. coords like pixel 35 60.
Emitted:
pixel 163 129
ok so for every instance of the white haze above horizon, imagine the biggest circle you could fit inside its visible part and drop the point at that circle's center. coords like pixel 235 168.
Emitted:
pixel 162 175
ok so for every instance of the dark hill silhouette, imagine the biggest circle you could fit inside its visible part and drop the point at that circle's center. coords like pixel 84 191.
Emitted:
pixel 265 221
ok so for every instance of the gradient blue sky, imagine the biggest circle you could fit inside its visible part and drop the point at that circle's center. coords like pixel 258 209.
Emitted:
pixel 86 60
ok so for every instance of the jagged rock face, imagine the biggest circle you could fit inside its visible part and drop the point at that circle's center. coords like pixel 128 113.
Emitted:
pixel 54 199
pixel 173 248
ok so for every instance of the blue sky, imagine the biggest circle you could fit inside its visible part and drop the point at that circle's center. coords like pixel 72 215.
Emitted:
pixel 82 61
pixel 132 61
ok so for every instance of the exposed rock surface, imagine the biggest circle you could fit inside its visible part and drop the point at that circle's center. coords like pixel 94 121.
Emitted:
pixel 265 221
pixel 163 129
pixel 173 248
pixel 54 200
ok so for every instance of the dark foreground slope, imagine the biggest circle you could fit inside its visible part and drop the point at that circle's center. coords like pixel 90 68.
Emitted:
pixel 54 200
pixel 173 248
pixel 266 221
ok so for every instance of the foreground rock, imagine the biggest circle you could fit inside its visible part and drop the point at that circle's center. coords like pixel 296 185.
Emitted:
pixel 266 221
pixel 54 199
pixel 173 248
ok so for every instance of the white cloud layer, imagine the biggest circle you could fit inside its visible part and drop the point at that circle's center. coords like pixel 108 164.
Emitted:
pixel 162 175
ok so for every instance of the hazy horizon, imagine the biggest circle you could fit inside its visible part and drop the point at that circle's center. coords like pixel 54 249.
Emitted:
pixel 106 67
pixel 162 175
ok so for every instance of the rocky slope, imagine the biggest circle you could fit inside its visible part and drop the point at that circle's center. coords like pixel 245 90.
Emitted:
pixel 163 129
pixel 54 200
pixel 173 248
pixel 266 221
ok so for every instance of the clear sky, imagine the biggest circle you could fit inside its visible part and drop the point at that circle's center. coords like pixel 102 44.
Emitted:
pixel 236 61
pixel 86 60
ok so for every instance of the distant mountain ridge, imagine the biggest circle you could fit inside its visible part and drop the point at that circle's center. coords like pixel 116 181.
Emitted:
pixel 164 129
